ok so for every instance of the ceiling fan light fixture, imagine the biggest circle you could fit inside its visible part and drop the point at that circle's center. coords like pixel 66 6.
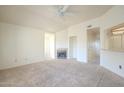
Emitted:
pixel 62 10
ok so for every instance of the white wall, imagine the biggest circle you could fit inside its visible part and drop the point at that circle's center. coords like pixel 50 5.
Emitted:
pixel 62 39
pixel 111 60
pixel 20 45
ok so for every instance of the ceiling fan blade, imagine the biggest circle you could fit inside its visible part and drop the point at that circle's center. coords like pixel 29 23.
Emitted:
pixel 65 7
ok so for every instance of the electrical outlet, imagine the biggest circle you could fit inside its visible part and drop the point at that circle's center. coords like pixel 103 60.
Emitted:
pixel 120 67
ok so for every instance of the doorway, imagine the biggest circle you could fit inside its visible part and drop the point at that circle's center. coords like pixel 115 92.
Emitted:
pixel 93 37
pixel 73 47
pixel 49 46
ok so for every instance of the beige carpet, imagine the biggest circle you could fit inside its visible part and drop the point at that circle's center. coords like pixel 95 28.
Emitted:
pixel 59 73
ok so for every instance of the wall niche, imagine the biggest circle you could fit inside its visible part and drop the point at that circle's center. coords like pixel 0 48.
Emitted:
pixel 114 38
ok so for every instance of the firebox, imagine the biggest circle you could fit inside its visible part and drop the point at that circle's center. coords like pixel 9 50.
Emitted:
pixel 62 53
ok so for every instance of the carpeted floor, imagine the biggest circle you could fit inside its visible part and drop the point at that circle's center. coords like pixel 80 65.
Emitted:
pixel 59 73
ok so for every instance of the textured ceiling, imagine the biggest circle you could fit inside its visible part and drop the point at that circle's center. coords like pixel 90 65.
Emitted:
pixel 45 16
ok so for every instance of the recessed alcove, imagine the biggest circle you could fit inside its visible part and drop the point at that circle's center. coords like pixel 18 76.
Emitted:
pixel 114 39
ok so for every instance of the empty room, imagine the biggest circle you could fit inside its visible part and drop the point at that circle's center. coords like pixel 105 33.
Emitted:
pixel 61 46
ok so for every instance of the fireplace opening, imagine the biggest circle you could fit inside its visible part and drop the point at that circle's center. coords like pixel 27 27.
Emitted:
pixel 62 53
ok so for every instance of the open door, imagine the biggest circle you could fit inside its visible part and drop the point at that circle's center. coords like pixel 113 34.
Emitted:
pixel 93 37
pixel 49 46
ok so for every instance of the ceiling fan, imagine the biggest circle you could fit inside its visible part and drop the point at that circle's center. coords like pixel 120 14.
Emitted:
pixel 63 11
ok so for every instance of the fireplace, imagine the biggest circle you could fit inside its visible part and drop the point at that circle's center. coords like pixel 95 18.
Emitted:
pixel 61 53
